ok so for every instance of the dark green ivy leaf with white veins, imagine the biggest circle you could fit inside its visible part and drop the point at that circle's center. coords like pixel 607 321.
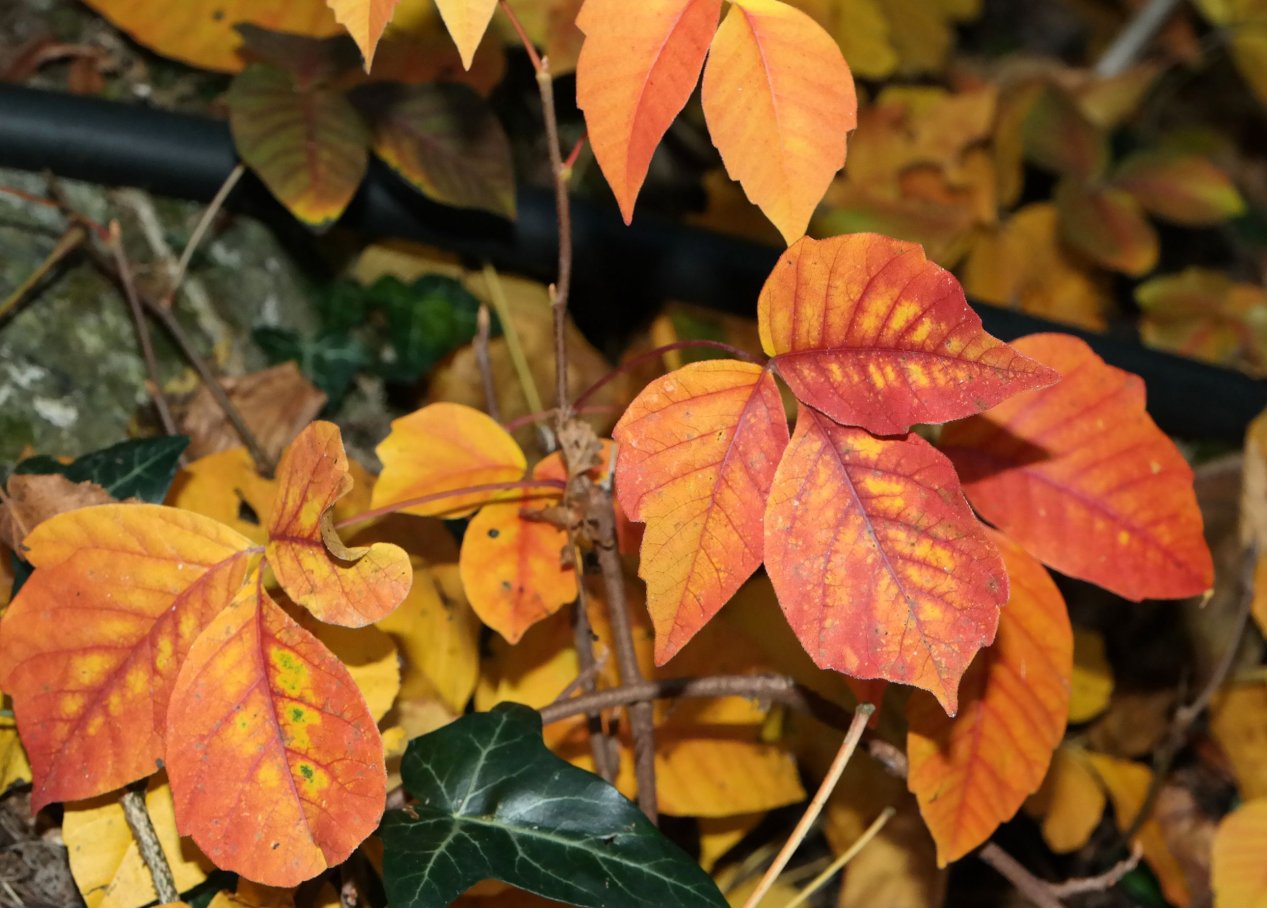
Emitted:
pixel 493 802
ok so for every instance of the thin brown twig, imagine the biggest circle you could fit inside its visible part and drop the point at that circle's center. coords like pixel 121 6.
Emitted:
pixel 641 721
pixel 841 862
pixel 107 265
pixel 67 243
pixel 147 842
pixel 200 230
pixel 561 288
pixel 484 361
pixel 397 506
pixel 802 828
pixel 523 35
pixel 263 462
pixel 606 758
pixel 1030 886
pixel 128 286
pixel 1101 882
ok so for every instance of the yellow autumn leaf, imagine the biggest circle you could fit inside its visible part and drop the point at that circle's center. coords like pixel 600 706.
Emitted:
pixel 434 629
pixel 1127 784
pixel 105 860
pixel 1070 802
pixel 253 895
pixel 370 656
pixel 717 835
pixel 898 868
pixel 1092 683
pixel 1237 717
pixel 1023 264
pixel 1237 861
pixel 14 766
pixel 1244 22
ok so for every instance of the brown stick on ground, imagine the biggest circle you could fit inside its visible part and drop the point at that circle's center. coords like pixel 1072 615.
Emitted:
pixel 147 843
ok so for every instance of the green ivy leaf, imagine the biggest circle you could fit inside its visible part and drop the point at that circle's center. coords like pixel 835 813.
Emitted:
pixel 426 320
pixel 493 802
pixel 142 468
pixel 329 361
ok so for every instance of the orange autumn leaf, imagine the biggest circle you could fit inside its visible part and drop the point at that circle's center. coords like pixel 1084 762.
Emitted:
pixel 366 21
pixel 442 448
pixel 512 567
pixel 779 100
pixel 1081 476
pixel 339 585
pixel 698 450
pixel 878 563
pixel 974 771
pixel 262 703
pixel 467 20
pixel 865 329
pixel 637 68
pixel 94 640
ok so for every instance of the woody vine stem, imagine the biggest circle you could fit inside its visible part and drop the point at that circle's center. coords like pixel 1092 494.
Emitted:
pixel 596 503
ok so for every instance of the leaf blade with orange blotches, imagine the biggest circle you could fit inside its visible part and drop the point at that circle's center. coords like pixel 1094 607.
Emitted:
pixel 637 69
pixel 262 702
pixel 445 447
pixel 867 330
pixel 1081 477
pixel 698 451
pixel 869 540
pixel 94 641
pixel 467 20
pixel 365 20
pixel 351 587
pixel 974 771
pixel 309 146
pixel 778 99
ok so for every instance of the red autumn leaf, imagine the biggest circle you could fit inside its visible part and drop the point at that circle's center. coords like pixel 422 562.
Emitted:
pixel 779 100
pixel 1108 226
pixel 91 646
pixel 275 762
pixel 878 563
pixel 1081 477
pixel 309 146
pixel 637 68
pixel 365 20
pixel 698 450
pixel 339 585
pixel 974 771
pixel 867 330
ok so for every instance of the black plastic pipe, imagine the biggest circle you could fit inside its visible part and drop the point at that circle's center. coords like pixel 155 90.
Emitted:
pixel 621 273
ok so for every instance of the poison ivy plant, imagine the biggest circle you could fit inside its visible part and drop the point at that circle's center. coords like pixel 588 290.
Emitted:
pixel 491 802
pixel 138 615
